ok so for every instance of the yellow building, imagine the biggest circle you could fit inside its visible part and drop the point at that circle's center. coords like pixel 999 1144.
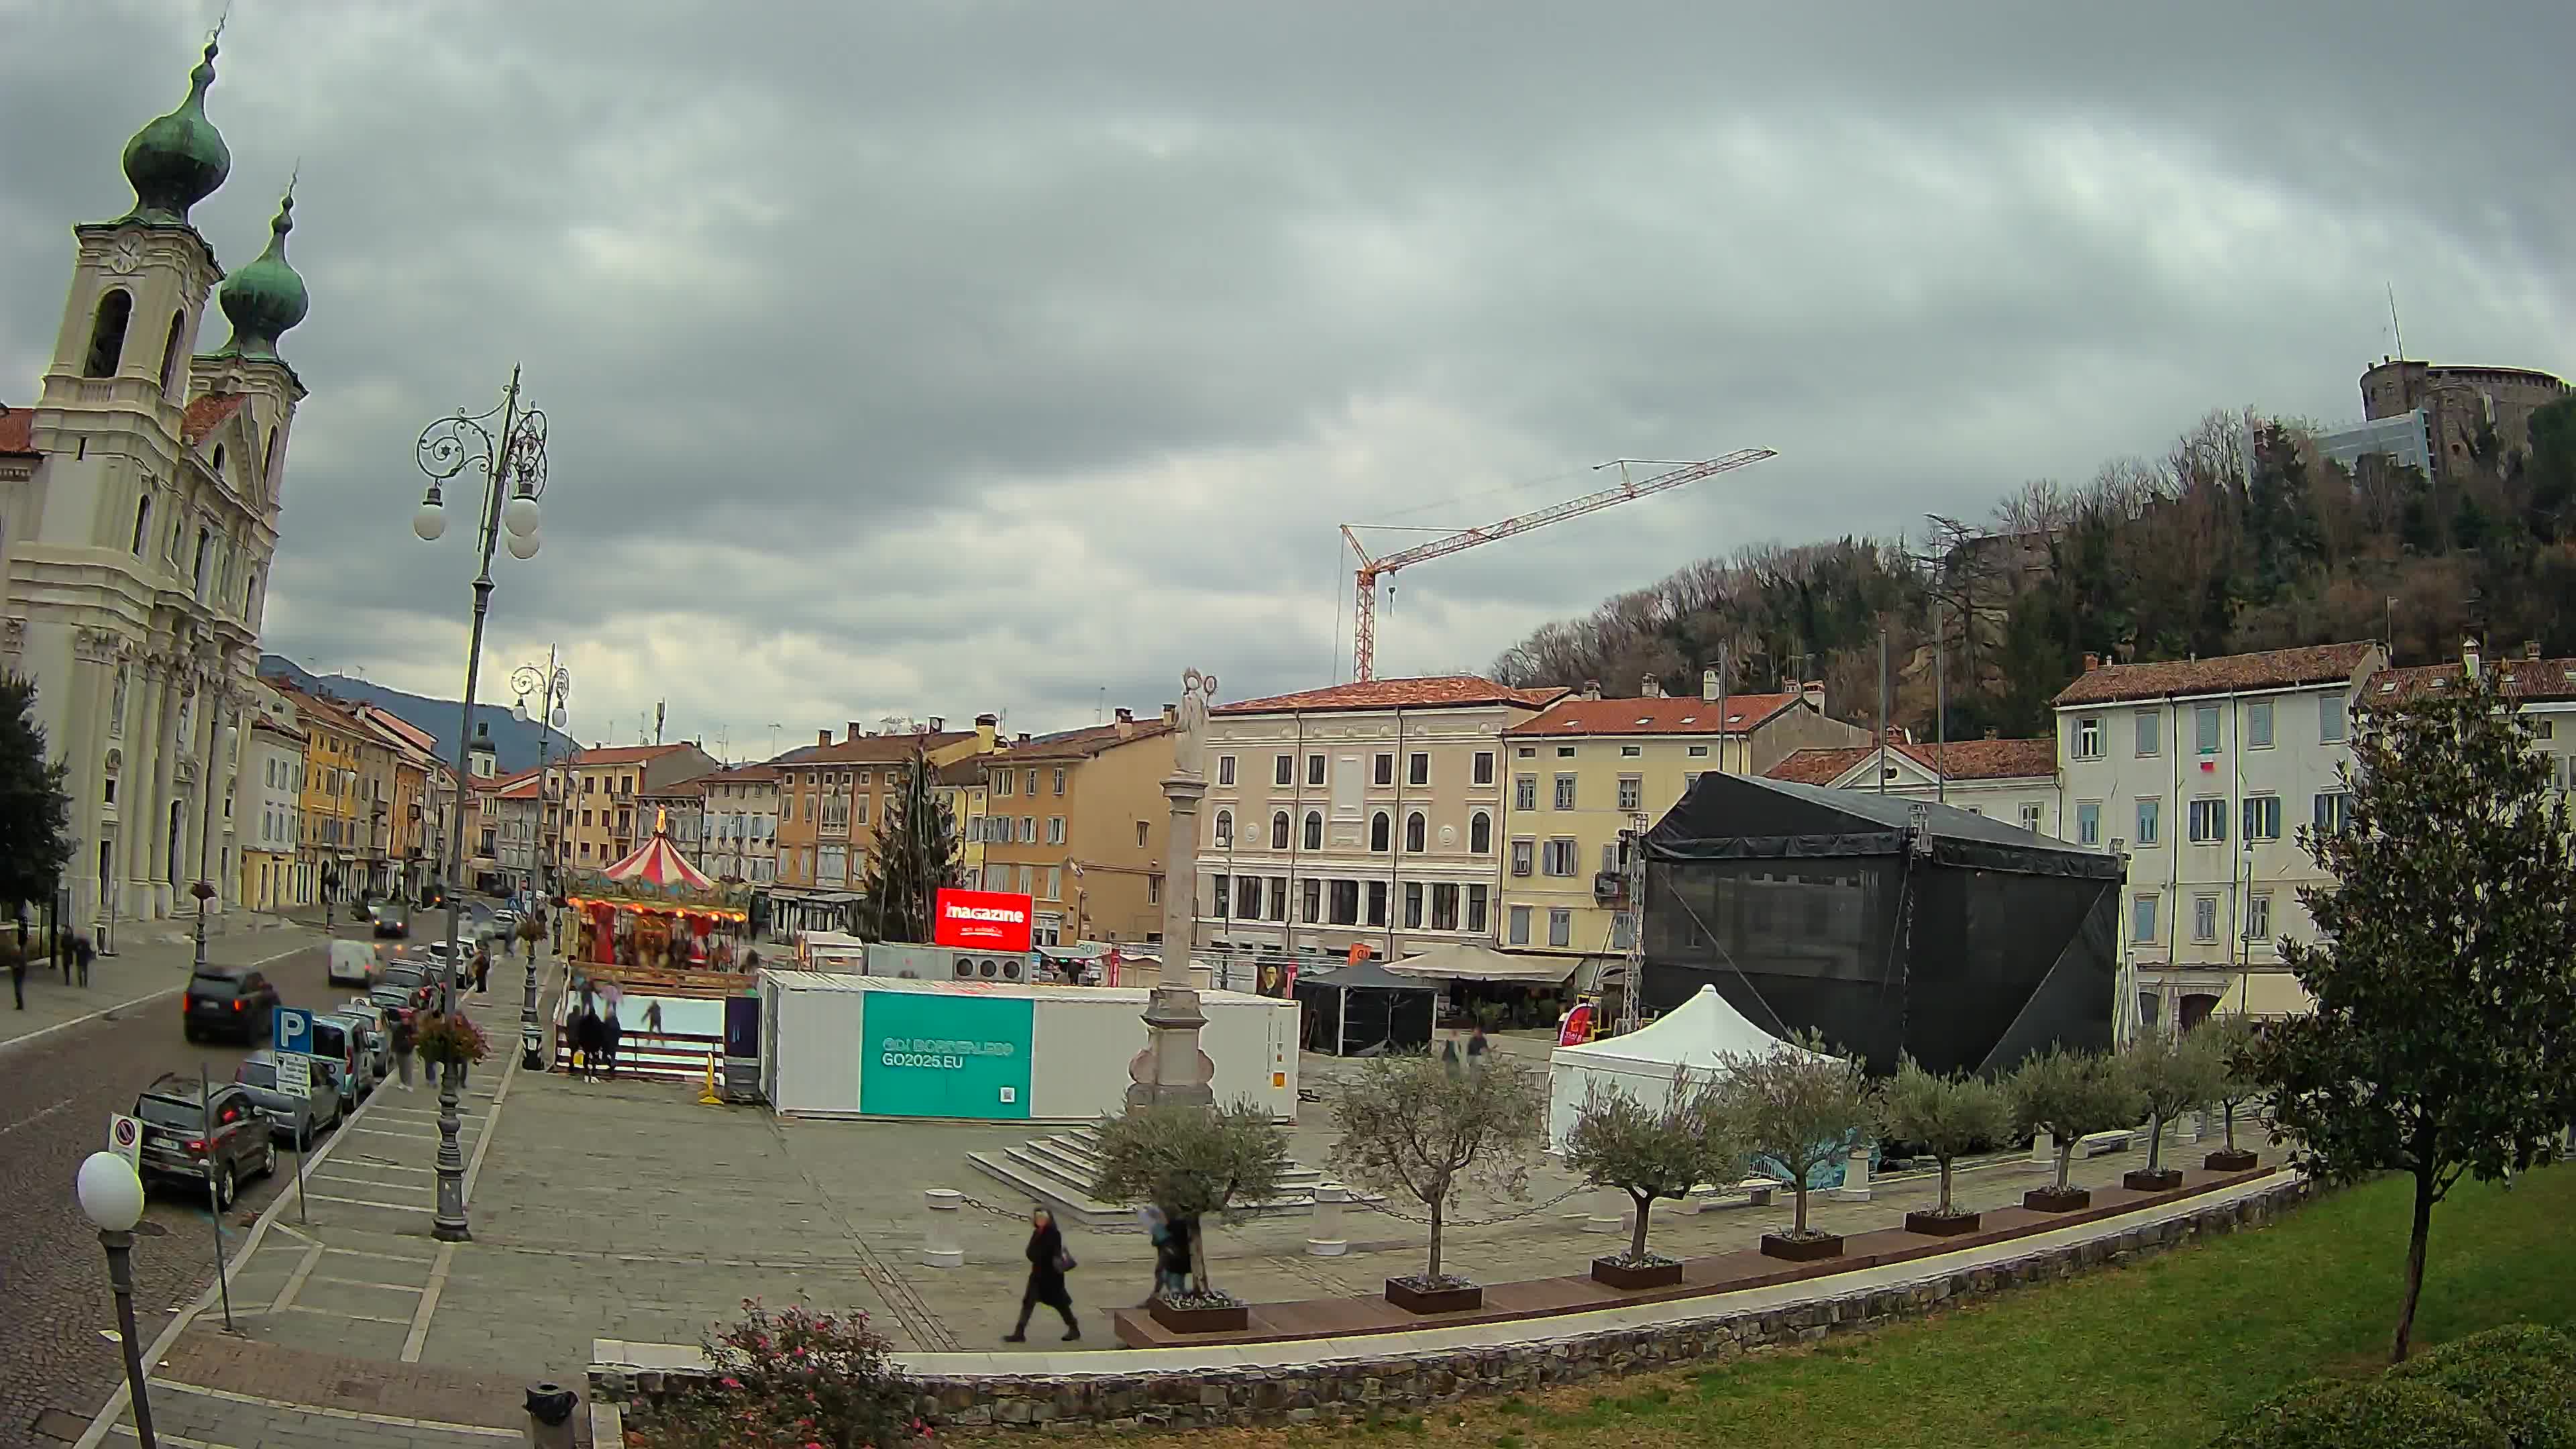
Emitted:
pixel 329 843
pixel 964 788
pixel 1078 821
pixel 833 801
pixel 602 821
pixel 1586 769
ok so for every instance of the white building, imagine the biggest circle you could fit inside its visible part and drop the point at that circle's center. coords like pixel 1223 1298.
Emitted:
pixel 2014 781
pixel 2202 771
pixel 742 824
pixel 269 816
pixel 142 498
pixel 1365 814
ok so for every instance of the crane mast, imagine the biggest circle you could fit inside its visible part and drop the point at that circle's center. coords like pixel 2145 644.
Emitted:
pixel 1364 614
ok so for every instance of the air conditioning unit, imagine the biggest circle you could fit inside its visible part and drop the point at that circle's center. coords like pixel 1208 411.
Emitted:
pixel 1608 886
pixel 946 963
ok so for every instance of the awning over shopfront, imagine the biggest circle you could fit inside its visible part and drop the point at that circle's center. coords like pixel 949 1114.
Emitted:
pixel 1467 961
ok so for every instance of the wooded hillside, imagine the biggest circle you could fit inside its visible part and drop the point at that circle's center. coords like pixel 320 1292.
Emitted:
pixel 2240 537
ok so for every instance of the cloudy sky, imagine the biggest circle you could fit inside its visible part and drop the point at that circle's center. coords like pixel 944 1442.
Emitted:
pixel 934 358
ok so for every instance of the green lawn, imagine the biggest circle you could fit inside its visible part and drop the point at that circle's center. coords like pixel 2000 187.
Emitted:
pixel 2157 1354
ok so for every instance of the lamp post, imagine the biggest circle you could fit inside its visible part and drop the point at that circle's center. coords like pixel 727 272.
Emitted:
pixel 554 685
pixel 111 1197
pixel 204 890
pixel 513 463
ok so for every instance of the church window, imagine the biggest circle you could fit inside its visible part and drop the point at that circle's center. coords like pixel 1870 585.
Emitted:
pixel 107 334
pixel 205 551
pixel 142 522
pixel 219 460
pixel 170 351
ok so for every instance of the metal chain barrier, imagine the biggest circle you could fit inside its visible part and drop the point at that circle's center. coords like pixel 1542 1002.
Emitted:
pixel 1022 1216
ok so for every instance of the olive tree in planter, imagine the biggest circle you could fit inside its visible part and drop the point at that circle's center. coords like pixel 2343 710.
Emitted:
pixel 1651 1153
pixel 1193 1164
pixel 1950 1116
pixel 2172 1075
pixel 1410 1126
pixel 2230 1042
pixel 2070 1095
pixel 1799 1106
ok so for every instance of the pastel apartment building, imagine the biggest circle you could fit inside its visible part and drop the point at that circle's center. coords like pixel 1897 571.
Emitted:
pixel 2014 781
pixel 1078 821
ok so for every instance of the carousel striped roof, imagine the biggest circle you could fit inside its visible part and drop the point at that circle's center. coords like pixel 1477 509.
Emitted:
pixel 658 863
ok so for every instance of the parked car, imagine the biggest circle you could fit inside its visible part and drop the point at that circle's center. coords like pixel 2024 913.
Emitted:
pixel 213 1136
pixel 373 1052
pixel 338 1045
pixel 297 1119
pixel 228 1001
pixel 355 962
pixel 394 1001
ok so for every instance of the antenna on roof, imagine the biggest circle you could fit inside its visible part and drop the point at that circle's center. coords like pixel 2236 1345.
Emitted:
pixel 2399 333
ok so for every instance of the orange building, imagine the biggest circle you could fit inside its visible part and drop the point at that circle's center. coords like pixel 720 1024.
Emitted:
pixel 1078 821
pixel 832 804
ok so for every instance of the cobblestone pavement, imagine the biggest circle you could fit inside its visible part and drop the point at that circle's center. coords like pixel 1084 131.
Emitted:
pixel 62 1086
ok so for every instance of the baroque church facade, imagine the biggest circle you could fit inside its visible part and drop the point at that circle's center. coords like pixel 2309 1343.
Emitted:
pixel 140 497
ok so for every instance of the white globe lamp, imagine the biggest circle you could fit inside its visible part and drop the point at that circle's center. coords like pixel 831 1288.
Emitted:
pixel 111 1196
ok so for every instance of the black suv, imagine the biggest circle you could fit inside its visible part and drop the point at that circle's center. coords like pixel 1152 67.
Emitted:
pixel 215 1138
pixel 393 922
pixel 229 1001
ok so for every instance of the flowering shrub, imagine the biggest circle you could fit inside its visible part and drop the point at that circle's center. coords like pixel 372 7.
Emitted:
pixel 792 1379
pixel 450 1041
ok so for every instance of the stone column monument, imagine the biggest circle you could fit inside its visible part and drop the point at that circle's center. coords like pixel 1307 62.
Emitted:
pixel 1186 786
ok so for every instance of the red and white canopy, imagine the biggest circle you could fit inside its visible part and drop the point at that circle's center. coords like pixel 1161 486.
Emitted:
pixel 658 863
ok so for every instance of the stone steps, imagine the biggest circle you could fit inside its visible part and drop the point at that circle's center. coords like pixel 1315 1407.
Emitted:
pixel 1059 1170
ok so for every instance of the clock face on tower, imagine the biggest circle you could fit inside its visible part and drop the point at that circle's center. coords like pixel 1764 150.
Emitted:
pixel 125 255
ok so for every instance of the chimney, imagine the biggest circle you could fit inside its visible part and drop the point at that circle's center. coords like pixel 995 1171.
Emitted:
pixel 2531 649
pixel 1592 689
pixel 1653 688
pixel 988 732
pixel 2469 656
pixel 1126 724
pixel 1126 716
pixel 1708 685
pixel 938 724
pixel 822 737
pixel 1171 714
pixel 1992 733
pixel 2092 661
pixel 1813 692
pixel 856 732
pixel 1023 739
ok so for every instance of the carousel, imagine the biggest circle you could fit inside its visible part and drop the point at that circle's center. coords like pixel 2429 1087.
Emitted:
pixel 655 911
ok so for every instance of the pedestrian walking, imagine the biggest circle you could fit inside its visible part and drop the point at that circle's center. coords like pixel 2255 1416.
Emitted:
pixel 404 1041
pixel 609 1032
pixel 585 1040
pixel 1048 1263
pixel 1172 1265
pixel 483 969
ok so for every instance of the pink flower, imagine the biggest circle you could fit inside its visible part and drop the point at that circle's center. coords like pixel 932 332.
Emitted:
pixel 731 1382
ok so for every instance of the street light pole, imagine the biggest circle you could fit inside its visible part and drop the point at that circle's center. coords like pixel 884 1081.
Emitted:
pixel 204 890
pixel 111 1197
pixel 513 462
pixel 555 685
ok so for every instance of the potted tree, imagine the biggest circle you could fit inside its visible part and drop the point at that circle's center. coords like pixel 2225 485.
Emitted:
pixel 2230 1041
pixel 1950 1116
pixel 1650 1153
pixel 1193 1164
pixel 2172 1075
pixel 1409 1125
pixel 2069 1094
pixel 1800 1107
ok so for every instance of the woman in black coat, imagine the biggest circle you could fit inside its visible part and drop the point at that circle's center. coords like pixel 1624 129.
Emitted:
pixel 1048 1263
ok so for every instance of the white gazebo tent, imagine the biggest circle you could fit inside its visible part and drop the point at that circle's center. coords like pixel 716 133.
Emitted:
pixel 1692 1038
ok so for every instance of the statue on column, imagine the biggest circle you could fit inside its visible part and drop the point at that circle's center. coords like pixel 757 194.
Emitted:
pixel 1189 740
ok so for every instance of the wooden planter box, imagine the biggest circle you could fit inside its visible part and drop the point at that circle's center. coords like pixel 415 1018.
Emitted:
pixel 1935 1225
pixel 2163 1179
pixel 1233 1318
pixel 2224 1160
pixel 1461 1299
pixel 1650 1275
pixel 1802 1250
pixel 2050 1200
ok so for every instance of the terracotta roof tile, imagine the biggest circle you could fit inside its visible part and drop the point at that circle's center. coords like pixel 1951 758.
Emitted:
pixel 18 431
pixel 207 413
pixel 2271 669
pixel 2527 679
pixel 1666 715
pixel 1958 760
pixel 1433 692
pixel 967 772
pixel 873 749
pixel 622 754
pixel 1082 744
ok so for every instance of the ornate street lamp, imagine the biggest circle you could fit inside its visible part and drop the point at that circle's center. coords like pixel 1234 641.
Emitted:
pixel 513 463
pixel 111 1197
pixel 553 684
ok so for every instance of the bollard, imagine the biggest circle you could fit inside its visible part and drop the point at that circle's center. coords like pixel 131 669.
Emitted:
pixel 1327 1238
pixel 1610 1209
pixel 550 1409
pixel 2190 1127
pixel 940 1245
pixel 1855 1186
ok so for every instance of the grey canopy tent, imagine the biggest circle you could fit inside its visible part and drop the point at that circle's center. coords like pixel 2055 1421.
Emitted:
pixel 1364 1010
pixel 1888 925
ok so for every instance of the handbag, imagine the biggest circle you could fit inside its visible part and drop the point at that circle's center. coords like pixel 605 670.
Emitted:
pixel 1064 1262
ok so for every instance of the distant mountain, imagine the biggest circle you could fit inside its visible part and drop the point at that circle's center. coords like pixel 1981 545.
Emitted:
pixel 514 741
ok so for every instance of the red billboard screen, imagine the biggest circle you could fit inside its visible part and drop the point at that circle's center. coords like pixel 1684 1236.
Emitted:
pixel 982 920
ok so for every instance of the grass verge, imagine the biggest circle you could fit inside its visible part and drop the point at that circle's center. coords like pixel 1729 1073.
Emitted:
pixel 2159 1354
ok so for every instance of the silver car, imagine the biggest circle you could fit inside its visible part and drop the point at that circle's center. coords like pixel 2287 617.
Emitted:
pixel 297 1119
pixel 375 1052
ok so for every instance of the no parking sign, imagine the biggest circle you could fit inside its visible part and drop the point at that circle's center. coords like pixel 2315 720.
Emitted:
pixel 125 1138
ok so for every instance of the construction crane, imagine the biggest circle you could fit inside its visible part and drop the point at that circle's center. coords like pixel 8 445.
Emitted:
pixel 1364 619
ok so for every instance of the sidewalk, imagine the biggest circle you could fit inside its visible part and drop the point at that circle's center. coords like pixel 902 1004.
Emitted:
pixel 145 966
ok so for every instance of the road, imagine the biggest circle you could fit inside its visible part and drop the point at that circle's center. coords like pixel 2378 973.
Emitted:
pixel 59 1092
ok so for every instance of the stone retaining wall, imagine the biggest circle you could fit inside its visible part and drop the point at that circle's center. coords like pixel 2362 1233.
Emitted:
pixel 1399 1382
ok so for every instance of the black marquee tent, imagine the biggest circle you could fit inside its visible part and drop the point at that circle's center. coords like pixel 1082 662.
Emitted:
pixel 1355 1010
pixel 1889 925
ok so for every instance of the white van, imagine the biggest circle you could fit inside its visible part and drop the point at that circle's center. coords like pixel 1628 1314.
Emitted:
pixel 355 962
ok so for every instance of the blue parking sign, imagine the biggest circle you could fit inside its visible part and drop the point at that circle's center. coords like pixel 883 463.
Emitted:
pixel 294 1030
